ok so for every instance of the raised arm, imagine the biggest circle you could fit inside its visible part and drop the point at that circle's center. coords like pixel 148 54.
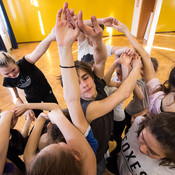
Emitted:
pixel 32 143
pixel 99 49
pixel 65 37
pixel 69 75
pixel 109 74
pixel 5 123
pixel 147 64
pixel 41 48
pixel 76 140
pixel 99 108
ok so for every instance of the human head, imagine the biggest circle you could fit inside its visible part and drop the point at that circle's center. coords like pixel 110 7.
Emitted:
pixel 88 58
pixel 172 79
pixel 53 134
pixel 155 63
pixel 5 59
pixel 86 80
pixel 55 159
pixel 169 85
pixel 8 67
pixel 161 127
pixel 17 142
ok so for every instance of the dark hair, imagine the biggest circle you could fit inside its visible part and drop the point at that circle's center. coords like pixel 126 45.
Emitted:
pixel 88 58
pixel 155 63
pixel 169 84
pixel 16 147
pixel 17 142
pixel 162 126
pixel 55 133
pixel 82 66
pixel 85 67
pixel 102 26
pixel 58 162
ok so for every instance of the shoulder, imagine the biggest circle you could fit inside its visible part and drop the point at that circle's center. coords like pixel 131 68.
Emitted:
pixel 23 61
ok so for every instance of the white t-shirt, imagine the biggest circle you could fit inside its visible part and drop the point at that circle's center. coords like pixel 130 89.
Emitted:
pixel 119 114
pixel 85 48
pixel 132 162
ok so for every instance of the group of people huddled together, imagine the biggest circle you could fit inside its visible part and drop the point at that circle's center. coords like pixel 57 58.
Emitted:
pixel 75 141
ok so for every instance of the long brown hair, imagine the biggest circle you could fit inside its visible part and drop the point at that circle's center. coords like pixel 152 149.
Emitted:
pixel 169 84
pixel 54 163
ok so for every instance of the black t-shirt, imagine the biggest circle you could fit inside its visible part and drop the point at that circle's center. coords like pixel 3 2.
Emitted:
pixel 31 79
pixel 103 126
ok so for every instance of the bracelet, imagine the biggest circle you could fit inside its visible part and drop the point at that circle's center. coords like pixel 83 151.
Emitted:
pixel 67 66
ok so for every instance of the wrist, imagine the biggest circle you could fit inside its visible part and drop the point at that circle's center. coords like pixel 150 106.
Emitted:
pixel 127 32
pixel 41 119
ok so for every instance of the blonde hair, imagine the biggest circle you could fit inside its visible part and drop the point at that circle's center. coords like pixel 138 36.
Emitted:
pixel 5 59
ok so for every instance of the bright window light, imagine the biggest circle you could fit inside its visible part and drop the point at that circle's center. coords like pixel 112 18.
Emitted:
pixel 163 48
pixel 109 30
pixel 34 3
pixel 41 23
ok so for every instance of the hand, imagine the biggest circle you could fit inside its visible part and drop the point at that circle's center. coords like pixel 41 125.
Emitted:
pixel 43 115
pixel 125 59
pixel 65 34
pixel 118 52
pixel 95 32
pixel 72 17
pixel 110 21
pixel 14 119
pixel 120 27
pixel 0 110
pixel 29 114
pixel 136 61
pixel 54 114
pixel 19 109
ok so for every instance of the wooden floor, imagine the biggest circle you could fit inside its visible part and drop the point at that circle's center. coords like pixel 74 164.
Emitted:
pixel 163 49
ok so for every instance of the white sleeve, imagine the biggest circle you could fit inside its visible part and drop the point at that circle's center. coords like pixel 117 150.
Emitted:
pixel 109 48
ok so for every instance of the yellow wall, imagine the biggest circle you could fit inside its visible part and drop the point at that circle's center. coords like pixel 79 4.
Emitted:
pixel 167 17
pixel 24 18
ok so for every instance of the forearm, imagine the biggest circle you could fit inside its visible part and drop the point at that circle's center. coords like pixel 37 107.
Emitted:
pixel 15 96
pixel 109 73
pixel 18 101
pixel 100 56
pixel 41 106
pixel 88 22
pixel 147 64
pixel 69 75
pixel 26 128
pixel 125 71
pixel 5 122
pixel 32 143
pixel 72 97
